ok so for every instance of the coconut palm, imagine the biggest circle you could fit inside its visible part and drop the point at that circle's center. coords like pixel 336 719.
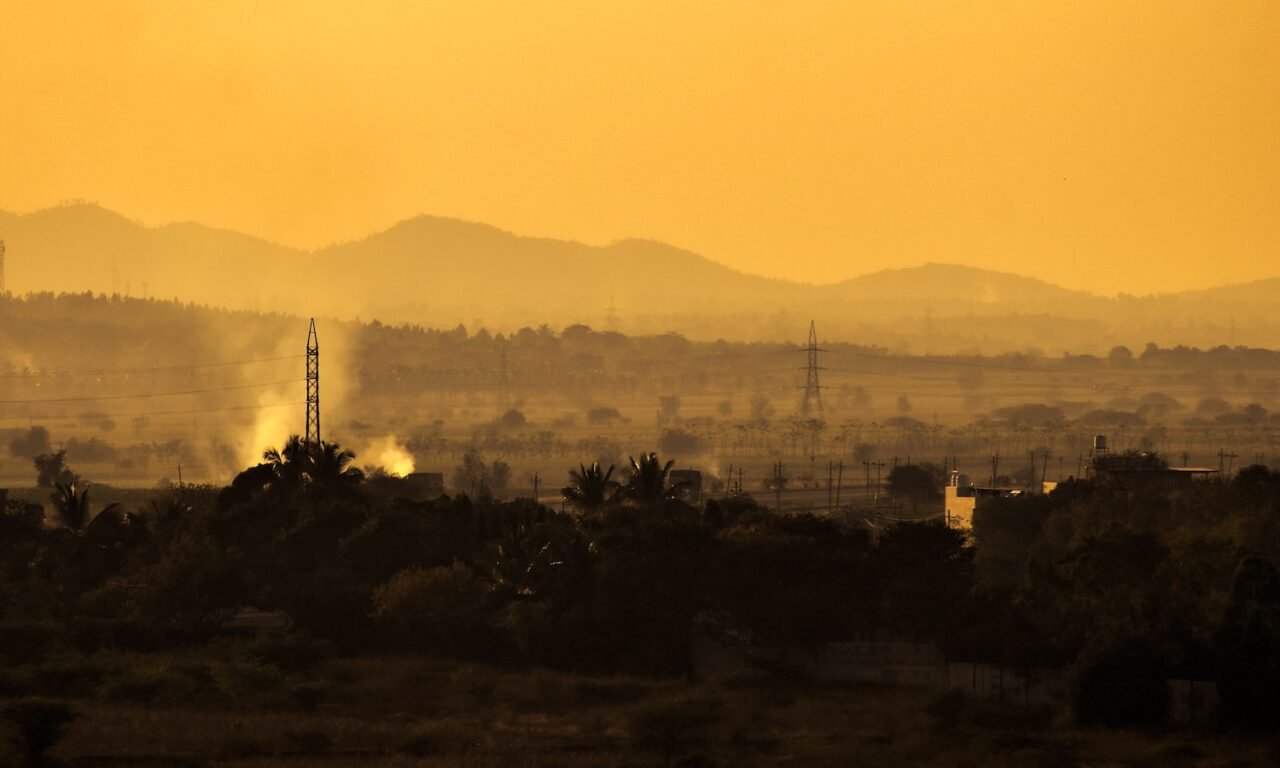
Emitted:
pixel 289 463
pixel 71 503
pixel 589 488
pixel 326 466
pixel 647 481
pixel 332 468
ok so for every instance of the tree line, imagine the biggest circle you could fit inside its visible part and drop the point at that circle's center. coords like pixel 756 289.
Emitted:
pixel 1125 588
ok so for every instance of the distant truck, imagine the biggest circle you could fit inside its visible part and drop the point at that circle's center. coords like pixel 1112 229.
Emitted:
pixel 688 484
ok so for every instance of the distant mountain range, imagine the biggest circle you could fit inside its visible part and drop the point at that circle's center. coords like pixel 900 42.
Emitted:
pixel 441 271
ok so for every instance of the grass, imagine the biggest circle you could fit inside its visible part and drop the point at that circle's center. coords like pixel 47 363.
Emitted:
pixel 212 708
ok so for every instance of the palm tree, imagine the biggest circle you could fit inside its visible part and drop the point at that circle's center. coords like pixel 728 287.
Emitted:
pixel 589 488
pixel 647 481
pixel 289 463
pixel 332 468
pixel 326 466
pixel 71 502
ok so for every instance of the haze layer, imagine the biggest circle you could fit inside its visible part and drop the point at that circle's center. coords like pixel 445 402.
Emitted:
pixel 1099 145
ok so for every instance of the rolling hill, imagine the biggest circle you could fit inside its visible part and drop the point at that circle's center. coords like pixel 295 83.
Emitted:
pixel 442 272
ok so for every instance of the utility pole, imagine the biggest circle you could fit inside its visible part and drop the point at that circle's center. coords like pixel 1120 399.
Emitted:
pixel 777 486
pixel 995 468
pixel 313 388
pixel 866 488
pixel 879 466
pixel 839 481
pixel 1230 459
pixel 3 288
pixel 811 405
pixel 830 488
pixel 535 487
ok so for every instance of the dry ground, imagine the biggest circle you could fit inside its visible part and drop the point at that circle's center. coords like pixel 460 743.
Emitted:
pixel 205 710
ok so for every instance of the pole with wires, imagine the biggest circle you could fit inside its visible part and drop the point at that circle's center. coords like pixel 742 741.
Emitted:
pixel 313 387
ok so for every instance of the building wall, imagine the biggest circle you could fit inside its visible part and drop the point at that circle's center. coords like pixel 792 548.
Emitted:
pixel 1007 685
pixel 958 510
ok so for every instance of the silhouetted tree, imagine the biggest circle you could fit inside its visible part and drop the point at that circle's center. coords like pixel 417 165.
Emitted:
pixel 40 725
pixel 1249 646
pixel 914 483
pixel 71 504
pixel 589 488
pixel 30 444
pixel 1120 357
pixel 51 468
pixel 332 468
pixel 1120 684
pixel 443 607
pixel 647 480
pixel 289 463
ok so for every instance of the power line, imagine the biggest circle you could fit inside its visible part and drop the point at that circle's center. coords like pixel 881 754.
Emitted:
pixel 147 369
pixel 193 411
pixel 944 361
pixel 147 394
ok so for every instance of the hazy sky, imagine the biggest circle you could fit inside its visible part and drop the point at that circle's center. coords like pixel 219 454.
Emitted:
pixel 1106 145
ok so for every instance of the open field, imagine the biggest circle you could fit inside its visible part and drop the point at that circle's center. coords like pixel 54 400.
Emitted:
pixel 144 393
pixel 226 709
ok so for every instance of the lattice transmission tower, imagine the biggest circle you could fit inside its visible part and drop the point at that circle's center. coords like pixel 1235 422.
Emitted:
pixel 811 405
pixel 313 387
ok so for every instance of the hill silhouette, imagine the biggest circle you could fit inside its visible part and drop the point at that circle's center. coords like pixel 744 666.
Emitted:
pixel 439 271
pixel 934 281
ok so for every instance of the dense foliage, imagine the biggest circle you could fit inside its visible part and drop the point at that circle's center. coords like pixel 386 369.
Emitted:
pixel 1126 587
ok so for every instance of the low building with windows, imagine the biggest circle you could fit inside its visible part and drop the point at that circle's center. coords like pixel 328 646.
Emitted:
pixel 961 501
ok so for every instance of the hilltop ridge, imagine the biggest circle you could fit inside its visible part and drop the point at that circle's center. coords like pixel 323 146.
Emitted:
pixel 444 271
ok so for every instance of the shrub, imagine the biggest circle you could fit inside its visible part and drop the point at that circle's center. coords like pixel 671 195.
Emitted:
pixel 40 724
pixel 681 442
pixel 947 709
pixel 309 695
pixel 603 416
pixel 34 442
pixel 442 606
pixel 309 742
pixel 25 643
pixel 292 652
pixel 674 727
pixel 1122 684
pixel 253 684
pixel 443 737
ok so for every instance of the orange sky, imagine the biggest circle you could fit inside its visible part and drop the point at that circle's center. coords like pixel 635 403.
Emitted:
pixel 1111 145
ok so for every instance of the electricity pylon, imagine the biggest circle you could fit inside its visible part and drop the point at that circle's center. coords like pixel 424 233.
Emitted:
pixel 313 387
pixel 811 405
